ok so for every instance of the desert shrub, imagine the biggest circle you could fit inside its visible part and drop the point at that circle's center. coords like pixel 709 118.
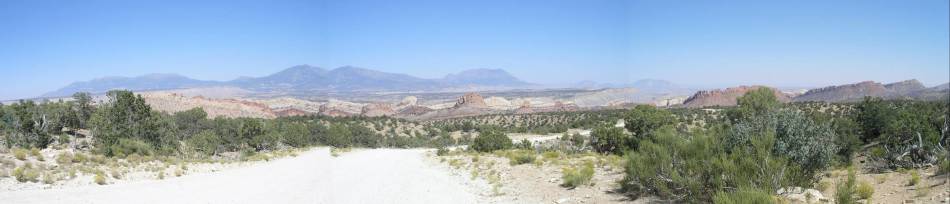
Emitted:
pixel 50 178
pixel 808 144
pixel 944 166
pixel 19 153
pixel 521 157
pixel 551 155
pixel 116 174
pixel 914 178
pixel 100 178
pixel 577 140
pixel 823 186
pixel 577 176
pixel 441 151
pixel 26 173
pixel 125 147
pixel 525 144
pixel 609 140
pixel 206 142
pixel 63 139
pixel 753 104
pixel 80 158
pixel 864 190
pixel 909 132
pixel 35 152
pixel 642 120
pixel 846 190
pixel 64 158
pixel 743 196
pixel 694 167
pixel 491 140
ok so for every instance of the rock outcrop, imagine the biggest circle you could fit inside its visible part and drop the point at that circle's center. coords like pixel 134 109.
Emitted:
pixel 471 100
pixel 414 111
pixel 230 108
pixel 377 110
pixel 726 97
pixel 333 112
pixel 408 101
pixel 908 89
pixel 287 112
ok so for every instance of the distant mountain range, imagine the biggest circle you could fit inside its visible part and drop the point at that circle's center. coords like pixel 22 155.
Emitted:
pixel 305 78
pixel 656 86
pixel 140 83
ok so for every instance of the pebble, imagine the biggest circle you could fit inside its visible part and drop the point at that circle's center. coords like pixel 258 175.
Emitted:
pixel 561 201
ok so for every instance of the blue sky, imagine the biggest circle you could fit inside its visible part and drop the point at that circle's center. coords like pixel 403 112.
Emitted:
pixel 45 45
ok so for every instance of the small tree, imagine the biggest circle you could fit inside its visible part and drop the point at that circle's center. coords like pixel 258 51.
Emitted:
pixel 643 120
pixel 754 103
pixel 491 140
pixel 609 140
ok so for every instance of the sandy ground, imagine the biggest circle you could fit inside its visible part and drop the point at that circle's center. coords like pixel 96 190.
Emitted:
pixel 360 176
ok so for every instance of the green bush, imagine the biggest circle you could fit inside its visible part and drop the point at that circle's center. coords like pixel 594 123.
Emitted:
pixel 694 167
pixel 521 157
pixel 743 197
pixel 26 173
pixel 491 140
pixel 125 147
pixel 206 142
pixel 914 178
pixel 804 142
pixel 551 155
pixel 100 178
pixel 36 153
pixel 441 151
pixel 50 178
pixel 64 158
pixel 865 190
pixel 643 120
pixel 577 176
pixel 609 140
pixel 944 166
pixel 19 153
pixel 525 144
pixel 846 190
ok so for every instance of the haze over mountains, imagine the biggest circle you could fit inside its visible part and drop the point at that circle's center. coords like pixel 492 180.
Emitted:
pixel 305 78
pixel 308 81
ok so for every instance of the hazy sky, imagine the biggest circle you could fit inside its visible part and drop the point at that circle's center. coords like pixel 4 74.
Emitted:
pixel 45 45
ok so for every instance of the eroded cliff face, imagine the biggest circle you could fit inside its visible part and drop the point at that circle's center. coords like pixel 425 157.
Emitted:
pixel 471 100
pixel 726 97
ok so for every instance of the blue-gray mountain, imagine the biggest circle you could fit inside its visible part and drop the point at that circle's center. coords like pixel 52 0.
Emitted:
pixel 305 78
pixel 140 83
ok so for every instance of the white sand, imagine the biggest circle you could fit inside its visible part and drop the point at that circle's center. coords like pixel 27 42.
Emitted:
pixel 361 176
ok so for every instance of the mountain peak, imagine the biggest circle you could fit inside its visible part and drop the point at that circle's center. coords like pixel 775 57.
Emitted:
pixel 484 76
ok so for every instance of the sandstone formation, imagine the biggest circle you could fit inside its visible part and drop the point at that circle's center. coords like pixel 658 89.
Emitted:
pixel 414 111
pixel 287 112
pixel 377 110
pixel 471 100
pixel 726 97
pixel 908 89
pixel 230 108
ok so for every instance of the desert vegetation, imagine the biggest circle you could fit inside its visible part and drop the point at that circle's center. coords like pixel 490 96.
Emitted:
pixel 748 153
pixel 752 152
pixel 125 134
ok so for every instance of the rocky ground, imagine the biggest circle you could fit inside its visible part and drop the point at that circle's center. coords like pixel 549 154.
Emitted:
pixel 895 187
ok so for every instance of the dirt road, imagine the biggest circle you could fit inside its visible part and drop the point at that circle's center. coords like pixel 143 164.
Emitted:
pixel 361 176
